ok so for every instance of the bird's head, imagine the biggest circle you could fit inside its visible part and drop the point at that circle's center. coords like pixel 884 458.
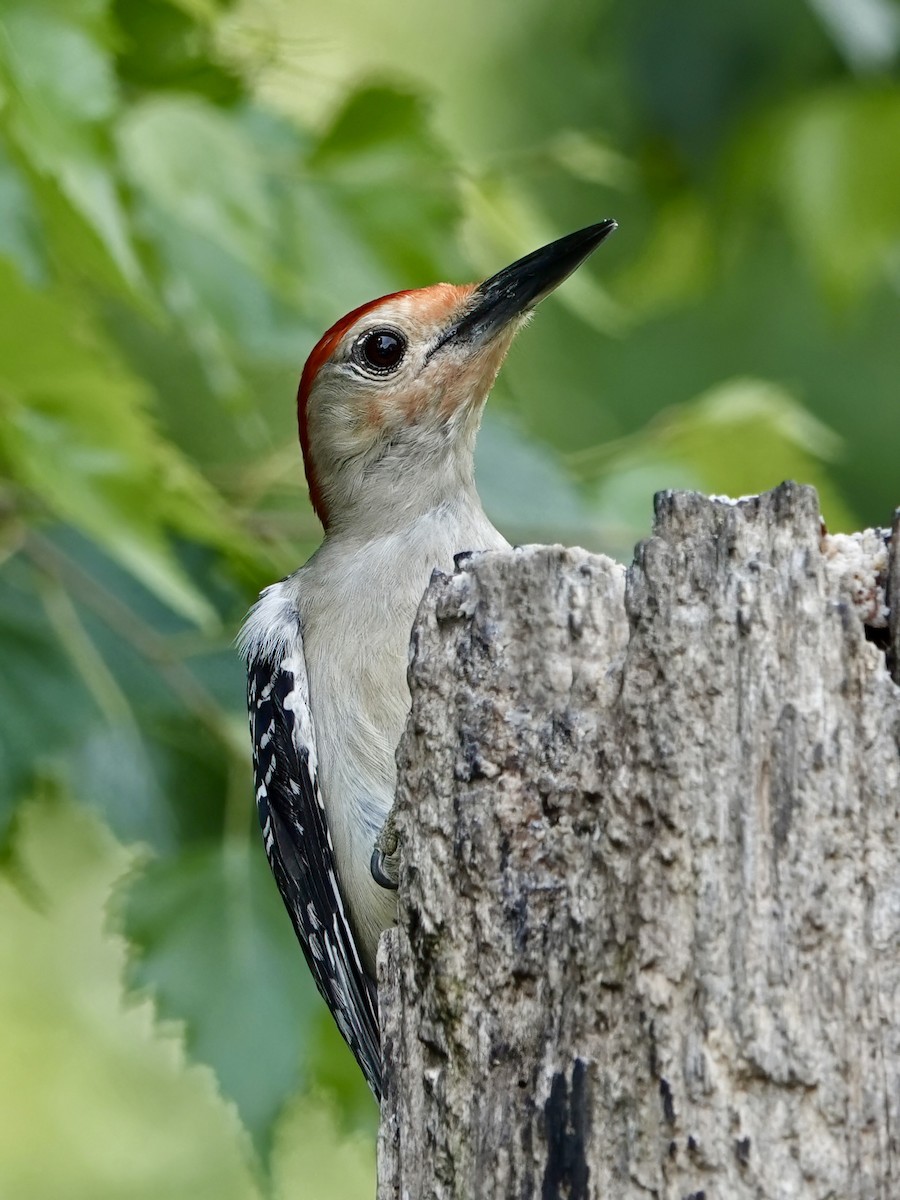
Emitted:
pixel 391 396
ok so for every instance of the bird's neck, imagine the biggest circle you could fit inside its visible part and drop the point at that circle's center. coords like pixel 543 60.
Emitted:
pixel 405 488
pixel 392 566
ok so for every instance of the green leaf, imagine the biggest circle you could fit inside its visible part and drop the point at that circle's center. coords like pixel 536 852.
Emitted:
pixel 312 1159
pixel 385 193
pixel 592 160
pixel 76 434
pixel 170 44
pixel 61 95
pixel 675 264
pixel 248 1013
pixel 740 438
pixel 375 122
pixel 88 1070
pixel 45 709
pixel 61 64
pixel 20 232
pixel 867 32
pixel 331 1071
pixel 837 173
pixel 194 165
pixel 209 201
pixel 525 486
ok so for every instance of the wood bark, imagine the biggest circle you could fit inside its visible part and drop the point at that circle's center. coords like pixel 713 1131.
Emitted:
pixel 649 942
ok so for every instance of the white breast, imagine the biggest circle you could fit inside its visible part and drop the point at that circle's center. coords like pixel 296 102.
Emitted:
pixel 357 604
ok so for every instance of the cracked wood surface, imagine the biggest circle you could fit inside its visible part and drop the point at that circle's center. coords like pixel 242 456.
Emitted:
pixel 650 894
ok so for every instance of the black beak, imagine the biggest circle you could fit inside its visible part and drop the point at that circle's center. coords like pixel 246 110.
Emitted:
pixel 519 287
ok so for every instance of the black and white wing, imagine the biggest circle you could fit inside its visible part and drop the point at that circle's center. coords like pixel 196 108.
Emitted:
pixel 298 843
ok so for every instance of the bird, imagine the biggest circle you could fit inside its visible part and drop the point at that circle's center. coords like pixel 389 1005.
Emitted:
pixel 389 404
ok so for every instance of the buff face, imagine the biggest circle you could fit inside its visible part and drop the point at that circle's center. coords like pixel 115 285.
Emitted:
pixel 398 385
pixel 391 377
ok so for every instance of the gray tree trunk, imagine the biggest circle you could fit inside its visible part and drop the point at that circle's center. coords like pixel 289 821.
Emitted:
pixel 650 894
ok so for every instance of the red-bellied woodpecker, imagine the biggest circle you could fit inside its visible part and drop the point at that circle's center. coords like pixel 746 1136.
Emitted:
pixel 389 405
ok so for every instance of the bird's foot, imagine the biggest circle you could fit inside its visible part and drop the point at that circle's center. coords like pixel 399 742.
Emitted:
pixel 385 863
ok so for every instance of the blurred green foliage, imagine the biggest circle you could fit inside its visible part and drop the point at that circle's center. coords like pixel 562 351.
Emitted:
pixel 190 191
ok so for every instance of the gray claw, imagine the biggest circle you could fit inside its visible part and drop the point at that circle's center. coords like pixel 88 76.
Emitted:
pixel 384 872
pixel 385 861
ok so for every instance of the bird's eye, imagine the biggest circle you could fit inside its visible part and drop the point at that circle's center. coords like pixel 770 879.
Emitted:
pixel 380 350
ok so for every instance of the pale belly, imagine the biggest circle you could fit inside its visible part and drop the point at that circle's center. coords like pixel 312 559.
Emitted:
pixel 357 611
pixel 357 733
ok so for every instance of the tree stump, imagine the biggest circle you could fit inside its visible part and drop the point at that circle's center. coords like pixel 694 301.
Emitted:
pixel 649 942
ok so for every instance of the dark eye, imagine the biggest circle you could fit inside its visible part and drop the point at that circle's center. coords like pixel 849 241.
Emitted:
pixel 381 350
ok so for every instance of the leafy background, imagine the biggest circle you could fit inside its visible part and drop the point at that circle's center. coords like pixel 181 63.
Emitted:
pixel 190 191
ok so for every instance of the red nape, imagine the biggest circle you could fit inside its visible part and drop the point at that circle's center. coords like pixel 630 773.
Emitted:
pixel 319 355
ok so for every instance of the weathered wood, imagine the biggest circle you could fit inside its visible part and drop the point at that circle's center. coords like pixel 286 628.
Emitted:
pixel 893 595
pixel 650 890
